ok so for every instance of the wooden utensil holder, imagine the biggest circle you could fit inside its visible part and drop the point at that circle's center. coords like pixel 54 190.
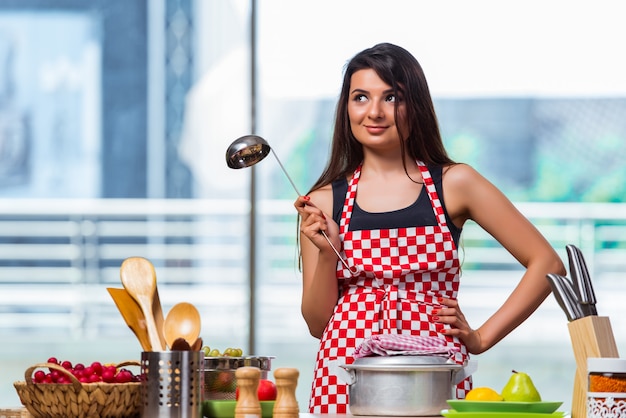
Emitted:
pixel 591 336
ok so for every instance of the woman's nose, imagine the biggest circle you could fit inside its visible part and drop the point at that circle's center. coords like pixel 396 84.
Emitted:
pixel 376 110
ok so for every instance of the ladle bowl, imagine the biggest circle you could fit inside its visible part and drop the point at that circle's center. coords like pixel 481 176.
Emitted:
pixel 248 150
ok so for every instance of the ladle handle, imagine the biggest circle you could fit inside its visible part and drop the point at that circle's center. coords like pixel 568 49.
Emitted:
pixel 286 173
pixel 353 270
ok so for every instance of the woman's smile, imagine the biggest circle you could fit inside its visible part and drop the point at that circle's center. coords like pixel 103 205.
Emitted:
pixel 375 129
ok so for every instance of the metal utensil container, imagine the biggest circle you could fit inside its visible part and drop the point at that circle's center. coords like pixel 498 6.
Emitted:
pixel 219 374
pixel 172 384
pixel 401 385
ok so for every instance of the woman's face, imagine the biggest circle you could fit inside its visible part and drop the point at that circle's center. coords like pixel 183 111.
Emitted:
pixel 371 110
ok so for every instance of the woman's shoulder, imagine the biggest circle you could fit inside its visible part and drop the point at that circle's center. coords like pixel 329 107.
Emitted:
pixel 466 190
pixel 460 175
pixel 323 198
pixel 327 188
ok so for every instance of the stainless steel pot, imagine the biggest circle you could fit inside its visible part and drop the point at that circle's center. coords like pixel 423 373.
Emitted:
pixel 219 374
pixel 402 385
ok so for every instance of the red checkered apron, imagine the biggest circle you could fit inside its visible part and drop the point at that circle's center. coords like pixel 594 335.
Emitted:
pixel 402 273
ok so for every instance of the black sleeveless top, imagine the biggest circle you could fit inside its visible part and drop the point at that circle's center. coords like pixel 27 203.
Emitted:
pixel 420 213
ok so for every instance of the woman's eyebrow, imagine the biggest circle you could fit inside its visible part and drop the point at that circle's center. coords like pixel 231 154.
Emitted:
pixel 358 90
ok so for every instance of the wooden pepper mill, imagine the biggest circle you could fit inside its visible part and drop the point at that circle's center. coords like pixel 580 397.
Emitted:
pixel 248 405
pixel 286 405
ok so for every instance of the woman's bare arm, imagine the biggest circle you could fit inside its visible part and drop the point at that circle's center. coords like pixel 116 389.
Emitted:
pixel 319 261
pixel 468 195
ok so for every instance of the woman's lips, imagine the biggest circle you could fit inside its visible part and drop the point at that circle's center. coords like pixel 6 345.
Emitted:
pixel 375 129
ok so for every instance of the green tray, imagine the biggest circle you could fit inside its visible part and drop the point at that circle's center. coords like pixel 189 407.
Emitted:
pixel 461 405
pixel 226 409
pixel 451 413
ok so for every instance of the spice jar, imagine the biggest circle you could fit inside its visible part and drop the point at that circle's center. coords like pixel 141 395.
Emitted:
pixel 606 395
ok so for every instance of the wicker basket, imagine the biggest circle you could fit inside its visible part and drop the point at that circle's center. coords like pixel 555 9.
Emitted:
pixel 15 413
pixel 79 400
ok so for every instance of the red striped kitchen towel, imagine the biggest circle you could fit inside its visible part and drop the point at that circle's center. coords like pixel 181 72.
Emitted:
pixel 401 344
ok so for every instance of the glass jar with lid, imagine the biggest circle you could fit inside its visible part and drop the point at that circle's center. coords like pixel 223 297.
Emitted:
pixel 606 393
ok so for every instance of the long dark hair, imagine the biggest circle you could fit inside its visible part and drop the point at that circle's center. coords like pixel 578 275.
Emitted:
pixel 398 68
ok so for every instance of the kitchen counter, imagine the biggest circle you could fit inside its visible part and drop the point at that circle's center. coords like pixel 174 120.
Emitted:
pixel 307 415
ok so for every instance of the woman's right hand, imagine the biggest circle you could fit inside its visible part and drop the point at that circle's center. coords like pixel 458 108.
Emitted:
pixel 313 221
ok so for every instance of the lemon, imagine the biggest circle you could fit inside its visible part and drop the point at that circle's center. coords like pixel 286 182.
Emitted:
pixel 483 394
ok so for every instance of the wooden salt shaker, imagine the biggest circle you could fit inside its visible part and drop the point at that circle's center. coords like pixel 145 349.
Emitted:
pixel 248 404
pixel 286 405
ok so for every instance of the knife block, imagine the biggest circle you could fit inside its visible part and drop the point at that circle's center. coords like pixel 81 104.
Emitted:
pixel 591 336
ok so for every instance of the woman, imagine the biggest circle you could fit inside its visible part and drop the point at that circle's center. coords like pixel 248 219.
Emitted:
pixel 381 201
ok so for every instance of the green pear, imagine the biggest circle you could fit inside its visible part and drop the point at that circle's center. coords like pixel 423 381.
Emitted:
pixel 520 388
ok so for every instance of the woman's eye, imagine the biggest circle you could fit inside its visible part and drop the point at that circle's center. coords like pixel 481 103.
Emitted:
pixel 360 98
pixel 391 98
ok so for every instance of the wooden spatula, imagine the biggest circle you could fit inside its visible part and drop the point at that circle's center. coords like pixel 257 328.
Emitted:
pixel 132 314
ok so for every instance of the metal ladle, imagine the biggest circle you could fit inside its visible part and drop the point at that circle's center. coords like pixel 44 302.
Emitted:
pixel 250 149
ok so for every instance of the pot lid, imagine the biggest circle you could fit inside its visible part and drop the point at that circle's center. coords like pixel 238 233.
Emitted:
pixel 404 363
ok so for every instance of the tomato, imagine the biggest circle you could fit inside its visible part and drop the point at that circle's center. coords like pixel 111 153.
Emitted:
pixel 267 390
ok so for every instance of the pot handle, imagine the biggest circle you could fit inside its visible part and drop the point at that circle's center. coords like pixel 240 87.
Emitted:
pixel 344 374
pixel 470 367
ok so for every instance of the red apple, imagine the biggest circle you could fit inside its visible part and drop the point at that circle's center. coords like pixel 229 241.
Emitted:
pixel 266 391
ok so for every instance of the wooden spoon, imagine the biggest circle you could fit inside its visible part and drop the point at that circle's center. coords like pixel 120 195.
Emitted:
pixel 182 321
pixel 132 314
pixel 157 310
pixel 180 344
pixel 139 280
pixel 197 345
